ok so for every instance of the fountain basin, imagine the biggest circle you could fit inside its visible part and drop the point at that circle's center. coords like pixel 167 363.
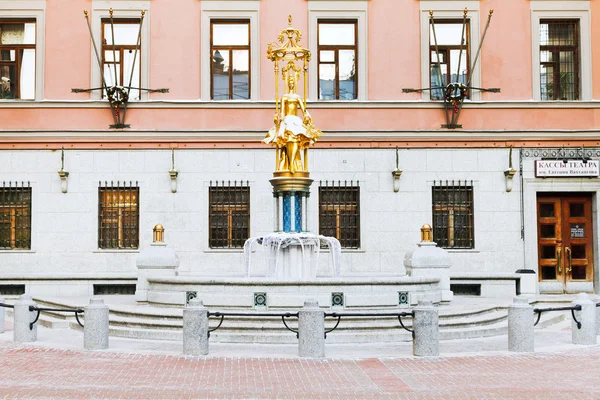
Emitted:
pixel 241 293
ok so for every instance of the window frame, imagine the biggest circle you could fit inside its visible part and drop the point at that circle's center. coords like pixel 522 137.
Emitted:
pixel 449 10
pixel 102 228
pixel 563 10
pixel 12 208
pixel 30 10
pixel 16 48
pixel 354 190
pixel 336 49
pixel 335 10
pixel 436 209
pixel 123 10
pixel 230 207
pixel 230 10
pixel 445 49
pixel 231 48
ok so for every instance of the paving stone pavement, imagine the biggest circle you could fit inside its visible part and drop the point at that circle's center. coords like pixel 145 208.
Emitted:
pixel 134 370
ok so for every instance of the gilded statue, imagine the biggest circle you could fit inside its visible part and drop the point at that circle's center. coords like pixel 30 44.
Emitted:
pixel 292 134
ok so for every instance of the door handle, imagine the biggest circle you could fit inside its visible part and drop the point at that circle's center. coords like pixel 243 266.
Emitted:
pixel 559 259
pixel 569 260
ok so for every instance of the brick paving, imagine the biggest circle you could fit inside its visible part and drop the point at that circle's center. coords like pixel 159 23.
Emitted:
pixel 30 371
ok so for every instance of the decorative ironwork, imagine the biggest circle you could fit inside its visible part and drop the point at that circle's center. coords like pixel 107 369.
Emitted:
pixel 229 214
pixel 452 211
pixel 119 93
pixel 339 212
pixel 118 216
pixel 399 315
pixel 15 216
pixel 562 153
pixel 252 314
pixel 539 312
pixel 40 309
pixel 454 93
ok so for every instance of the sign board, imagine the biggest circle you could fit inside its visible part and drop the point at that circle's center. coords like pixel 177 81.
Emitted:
pixel 577 232
pixel 570 169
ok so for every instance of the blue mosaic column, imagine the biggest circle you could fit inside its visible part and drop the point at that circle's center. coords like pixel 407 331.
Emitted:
pixel 292 212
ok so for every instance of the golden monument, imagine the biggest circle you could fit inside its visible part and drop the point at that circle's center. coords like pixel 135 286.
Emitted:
pixel 291 134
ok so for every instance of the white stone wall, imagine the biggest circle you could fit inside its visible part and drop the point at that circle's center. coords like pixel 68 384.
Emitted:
pixel 65 226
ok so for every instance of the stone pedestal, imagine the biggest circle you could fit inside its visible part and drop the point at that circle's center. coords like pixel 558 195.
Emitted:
pixel 528 282
pixel 520 326
pixel 195 329
pixel 426 340
pixel 587 316
pixel 155 260
pixel 22 318
pixel 427 260
pixel 95 329
pixel 311 330
pixel 296 262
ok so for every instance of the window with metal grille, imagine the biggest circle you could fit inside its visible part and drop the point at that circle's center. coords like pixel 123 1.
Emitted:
pixel 452 48
pixel 339 212
pixel 15 216
pixel 559 59
pixel 230 54
pixel 229 215
pixel 337 49
pixel 453 214
pixel 17 59
pixel 118 216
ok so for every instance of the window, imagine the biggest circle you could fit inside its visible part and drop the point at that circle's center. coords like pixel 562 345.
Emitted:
pixel 339 213
pixel 449 35
pixel 17 59
pixel 119 59
pixel 559 60
pixel 118 216
pixel 230 54
pixel 229 215
pixel 453 215
pixel 337 52
pixel 15 217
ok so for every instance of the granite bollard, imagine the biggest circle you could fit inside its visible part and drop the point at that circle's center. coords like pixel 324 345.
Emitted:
pixel 426 340
pixel 2 315
pixel 22 318
pixel 311 330
pixel 95 330
pixel 195 329
pixel 520 326
pixel 587 316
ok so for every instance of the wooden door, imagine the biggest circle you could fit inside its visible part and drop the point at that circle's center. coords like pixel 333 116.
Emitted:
pixel 565 251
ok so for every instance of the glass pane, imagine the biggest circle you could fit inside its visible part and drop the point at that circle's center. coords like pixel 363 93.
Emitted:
pixel 546 210
pixel 125 34
pixel 8 81
pixel 326 81
pixel 23 33
pixel 241 62
pixel 567 75
pixel 578 272
pixel 347 75
pixel 548 273
pixel 8 55
pixel 109 74
pixel 128 56
pixel 327 56
pixel 546 56
pixel 220 75
pixel 230 35
pixel 447 34
pixel 578 251
pixel 336 34
pixel 109 55
pixel 557 33
pixel 547 231
pixel 576 210
pixel 27 75
pixel 462 72
pixel 438 80
pixel 546 82
pixel 548 252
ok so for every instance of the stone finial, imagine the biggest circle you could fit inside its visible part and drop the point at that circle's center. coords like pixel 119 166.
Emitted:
pixel 158 233
pixel 426 235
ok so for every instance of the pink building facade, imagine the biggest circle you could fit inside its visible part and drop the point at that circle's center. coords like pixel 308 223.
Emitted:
pixel 515 187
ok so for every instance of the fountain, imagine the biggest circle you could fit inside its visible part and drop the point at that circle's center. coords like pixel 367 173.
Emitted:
pixel 290 254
